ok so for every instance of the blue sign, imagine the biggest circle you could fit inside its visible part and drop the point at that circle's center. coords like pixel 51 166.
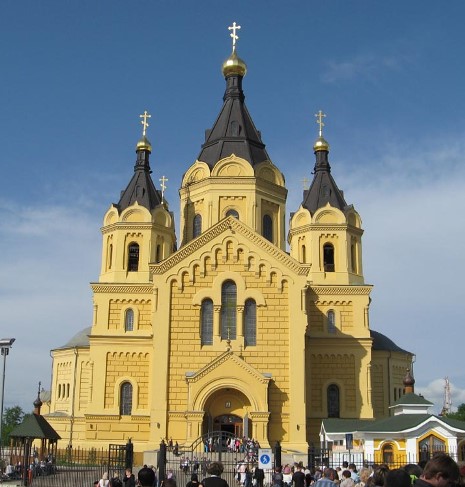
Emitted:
pixel 265 459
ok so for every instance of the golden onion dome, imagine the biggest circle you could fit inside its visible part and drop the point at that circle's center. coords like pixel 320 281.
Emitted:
pixel 234 65
pixel 144 144
pixel 320 145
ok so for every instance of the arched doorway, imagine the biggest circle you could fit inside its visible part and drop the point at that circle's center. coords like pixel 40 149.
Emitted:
pixel 227 410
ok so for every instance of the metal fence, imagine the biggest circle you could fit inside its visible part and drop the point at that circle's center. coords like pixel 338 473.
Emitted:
pixel 72 467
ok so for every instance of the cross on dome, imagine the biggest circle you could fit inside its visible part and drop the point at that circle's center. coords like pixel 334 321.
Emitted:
pixel 233 34
pixel 144 122
pixel 320 115
pixel 163 180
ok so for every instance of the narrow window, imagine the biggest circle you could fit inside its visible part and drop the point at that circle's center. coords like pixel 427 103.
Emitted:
pixel 206 322
pixel 59 391
pixel 331 321
pixel 328 257
pixel 110 255
pixel 304 255
pixel 158 254
pixel 67 390
pixel 333 401
pixel 125 405
pixel 197 226
pixel 133 257
pixel 228 310
pixel 233 213
pixel 388 454
pixel 353 257
pixel 268 227
pixel 250 323
pixel 129 320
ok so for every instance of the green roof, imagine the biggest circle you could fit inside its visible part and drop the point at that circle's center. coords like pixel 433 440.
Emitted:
pixel 81 339
pixel 35 426
pixel 412 399
pixel 338 425
pixel 394 424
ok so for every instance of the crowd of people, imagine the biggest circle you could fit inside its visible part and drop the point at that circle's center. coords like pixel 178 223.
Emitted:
pixel 440 471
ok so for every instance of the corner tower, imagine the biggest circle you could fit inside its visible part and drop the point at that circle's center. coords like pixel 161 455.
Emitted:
pixel 326 232
pixel 233 174
pixel 139 229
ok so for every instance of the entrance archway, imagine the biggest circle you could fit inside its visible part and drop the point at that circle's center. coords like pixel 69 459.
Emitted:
pixel 227 410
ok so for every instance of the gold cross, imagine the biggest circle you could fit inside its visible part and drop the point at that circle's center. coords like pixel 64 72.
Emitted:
pixel 163 185
pixel 320 115
pixel 234 27
pixel 144 123
pixel 305 182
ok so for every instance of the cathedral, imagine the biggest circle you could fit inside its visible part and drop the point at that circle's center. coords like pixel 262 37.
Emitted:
pixel 236 324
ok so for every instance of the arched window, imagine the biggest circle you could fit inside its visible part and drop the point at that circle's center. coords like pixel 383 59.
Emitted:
pixel 303 256
pixel 233 213
pixel 129 320
pixel 388 453
pixel 158 254
pixel 331 321
pixel 328 257
pixel 206 322
pixel 268 227
pixel 250 323
pixel 197 226
pixel 133 257
pixel 125 403
pixel 228 310
pixel 333 401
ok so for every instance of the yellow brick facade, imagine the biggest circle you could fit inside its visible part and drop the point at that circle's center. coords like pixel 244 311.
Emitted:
pixel 164 359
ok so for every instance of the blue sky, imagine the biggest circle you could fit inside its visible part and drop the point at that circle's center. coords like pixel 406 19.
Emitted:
pixel 77 74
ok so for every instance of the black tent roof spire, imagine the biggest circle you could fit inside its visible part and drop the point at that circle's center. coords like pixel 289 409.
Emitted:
pixel 141 187
pixel 234 131
pixel 323 189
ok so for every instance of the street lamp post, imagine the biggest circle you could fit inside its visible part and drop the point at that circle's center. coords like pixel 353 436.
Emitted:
pixel 5 345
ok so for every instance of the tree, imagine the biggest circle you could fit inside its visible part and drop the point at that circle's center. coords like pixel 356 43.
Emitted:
pixel 459 414
pixel 11 418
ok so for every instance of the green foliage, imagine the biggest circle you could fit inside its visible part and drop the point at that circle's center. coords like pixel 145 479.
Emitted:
pixel 459 414
pixel 11 418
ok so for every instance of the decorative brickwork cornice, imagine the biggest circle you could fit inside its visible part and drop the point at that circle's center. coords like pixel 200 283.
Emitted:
pixel 321 227
pixel 102 417
pixel 122 288
pixel 127 226
pixel 337 290
pixel 233 225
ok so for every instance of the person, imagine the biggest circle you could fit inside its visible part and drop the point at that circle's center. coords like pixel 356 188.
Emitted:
pixel 287 475
pixel 379 476
pixel 96 483
pixel 116 482
pixel 215 469
pixel 347 480
pixel 129 480
pixel 413 470
pixel 194 481
pixel 440 471
pixel 277 480
pixel 397 477
pixel 146 477
pixel 365 474
pixel 104 482
pixel 298 478
pixel 353 473
pixel 259 476
pixel 328 478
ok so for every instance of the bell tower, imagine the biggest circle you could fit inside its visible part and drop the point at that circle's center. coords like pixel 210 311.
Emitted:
pixel 139 229
pixel 326 232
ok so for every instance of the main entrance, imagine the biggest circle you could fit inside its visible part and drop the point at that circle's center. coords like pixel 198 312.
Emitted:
pixel 229 423
pixel 227 411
